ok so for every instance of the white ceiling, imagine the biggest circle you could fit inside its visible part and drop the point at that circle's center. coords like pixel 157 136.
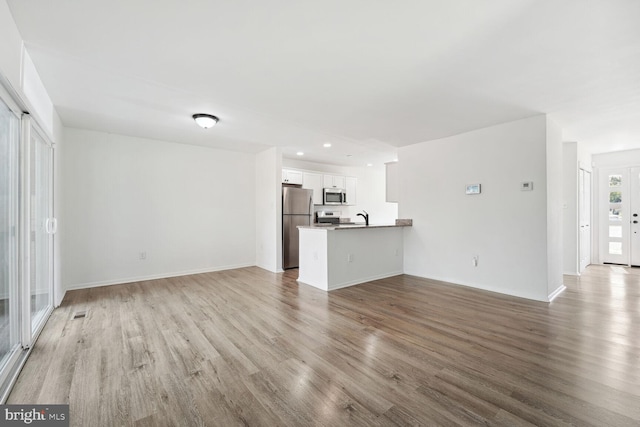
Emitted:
pixel 366 76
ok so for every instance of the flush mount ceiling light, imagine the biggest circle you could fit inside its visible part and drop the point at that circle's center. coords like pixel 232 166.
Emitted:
pixel 205 121
pixel 326 145
pixel 300 153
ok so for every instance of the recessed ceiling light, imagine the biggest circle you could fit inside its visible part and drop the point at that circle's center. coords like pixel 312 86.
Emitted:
pixel 205 121
pixel 326 145
pixel 369 164
pixel 300 153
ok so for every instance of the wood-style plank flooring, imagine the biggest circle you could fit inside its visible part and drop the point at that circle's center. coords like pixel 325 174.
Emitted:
pixel 249 347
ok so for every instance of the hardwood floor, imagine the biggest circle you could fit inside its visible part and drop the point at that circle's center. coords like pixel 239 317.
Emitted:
pixel 249 347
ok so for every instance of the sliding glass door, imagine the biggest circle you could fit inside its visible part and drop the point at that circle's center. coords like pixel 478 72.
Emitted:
pixel 9 201
pixel 42 227
pixel 26 236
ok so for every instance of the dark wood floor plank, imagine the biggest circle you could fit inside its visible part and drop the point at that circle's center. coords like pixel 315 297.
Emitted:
pixel 250 347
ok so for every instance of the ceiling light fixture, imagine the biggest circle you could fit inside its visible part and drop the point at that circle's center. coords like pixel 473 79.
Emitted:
pixel 300 153
pixel 326 145
pixel 205 121
pixel 369 164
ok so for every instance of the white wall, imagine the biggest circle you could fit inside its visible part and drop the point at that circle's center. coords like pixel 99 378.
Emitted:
pixel 505 227
pixel 570 208
pixel 190 208
pixel 554 207
pixel 58 130
pixel 10 47
pixel 371 190
pixel 268 215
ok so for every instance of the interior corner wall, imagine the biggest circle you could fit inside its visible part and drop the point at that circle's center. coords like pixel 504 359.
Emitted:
pixel 138 209
pixel 504 227
pixel 58 140
pixel 268 213
pixel 554 171
pixel 570 208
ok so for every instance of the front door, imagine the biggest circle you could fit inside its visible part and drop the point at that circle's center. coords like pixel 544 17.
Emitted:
pixel 620 220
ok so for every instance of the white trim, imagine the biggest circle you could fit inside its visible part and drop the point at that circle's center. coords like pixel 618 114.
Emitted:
pixel 25 232
pixel 446 281
pixel 571 274
pixel 7 374
pixel 351 283
pixel 18 362
pixel 11 97
pixel 153 277
pixel 57 302
pixel 557 292
pixel 365 280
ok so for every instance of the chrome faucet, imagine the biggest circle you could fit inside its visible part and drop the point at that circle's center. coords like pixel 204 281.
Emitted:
pixel 364 215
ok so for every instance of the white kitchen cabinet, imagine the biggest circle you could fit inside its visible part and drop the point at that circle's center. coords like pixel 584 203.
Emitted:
pixel 334 181
pixel 392 182
pixel 351 188
pixel 290 176
pixel 313 181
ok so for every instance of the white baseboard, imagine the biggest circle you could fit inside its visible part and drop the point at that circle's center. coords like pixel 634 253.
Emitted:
pixel 449 281
pixel 122 281
pixel 367 279
pixel 557 292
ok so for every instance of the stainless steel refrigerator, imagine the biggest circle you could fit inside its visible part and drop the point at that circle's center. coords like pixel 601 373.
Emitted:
pixel 297 209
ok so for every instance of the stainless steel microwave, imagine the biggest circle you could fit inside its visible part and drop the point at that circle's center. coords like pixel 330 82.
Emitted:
pixel 334 196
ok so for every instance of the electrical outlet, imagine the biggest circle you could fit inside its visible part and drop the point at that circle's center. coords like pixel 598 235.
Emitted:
pixel 315 255
pixel 350 258
pixel 397 252
pixel 142 255
pixel 474 262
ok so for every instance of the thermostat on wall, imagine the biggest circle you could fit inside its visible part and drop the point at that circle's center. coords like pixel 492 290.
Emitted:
pixel 526 186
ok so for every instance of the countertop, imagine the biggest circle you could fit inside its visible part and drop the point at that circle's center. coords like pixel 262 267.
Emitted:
pixel 348 226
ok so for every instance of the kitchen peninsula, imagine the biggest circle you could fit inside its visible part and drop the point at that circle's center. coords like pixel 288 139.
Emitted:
pixel 336 256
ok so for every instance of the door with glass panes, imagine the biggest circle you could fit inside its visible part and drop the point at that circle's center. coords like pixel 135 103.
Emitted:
pixel 26 236
pixel 620 218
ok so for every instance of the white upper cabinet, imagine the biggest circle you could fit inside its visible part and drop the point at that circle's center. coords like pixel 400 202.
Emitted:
pixel 313 181
pixel 393 182
pixel 351 189
pixel 290 176
pixel 317 181
pixel 334 181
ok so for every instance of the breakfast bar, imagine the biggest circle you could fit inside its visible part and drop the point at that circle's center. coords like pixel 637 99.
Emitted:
pixel 336 256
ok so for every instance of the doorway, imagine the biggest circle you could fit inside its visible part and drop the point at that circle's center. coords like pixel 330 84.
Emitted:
pixel 620 216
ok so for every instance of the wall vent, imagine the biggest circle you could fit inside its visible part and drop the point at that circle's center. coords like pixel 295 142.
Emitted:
pixel 79 314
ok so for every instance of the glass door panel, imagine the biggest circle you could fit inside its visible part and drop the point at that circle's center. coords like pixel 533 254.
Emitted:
pixel 614 226
pixel 40 230
pixel 9 201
